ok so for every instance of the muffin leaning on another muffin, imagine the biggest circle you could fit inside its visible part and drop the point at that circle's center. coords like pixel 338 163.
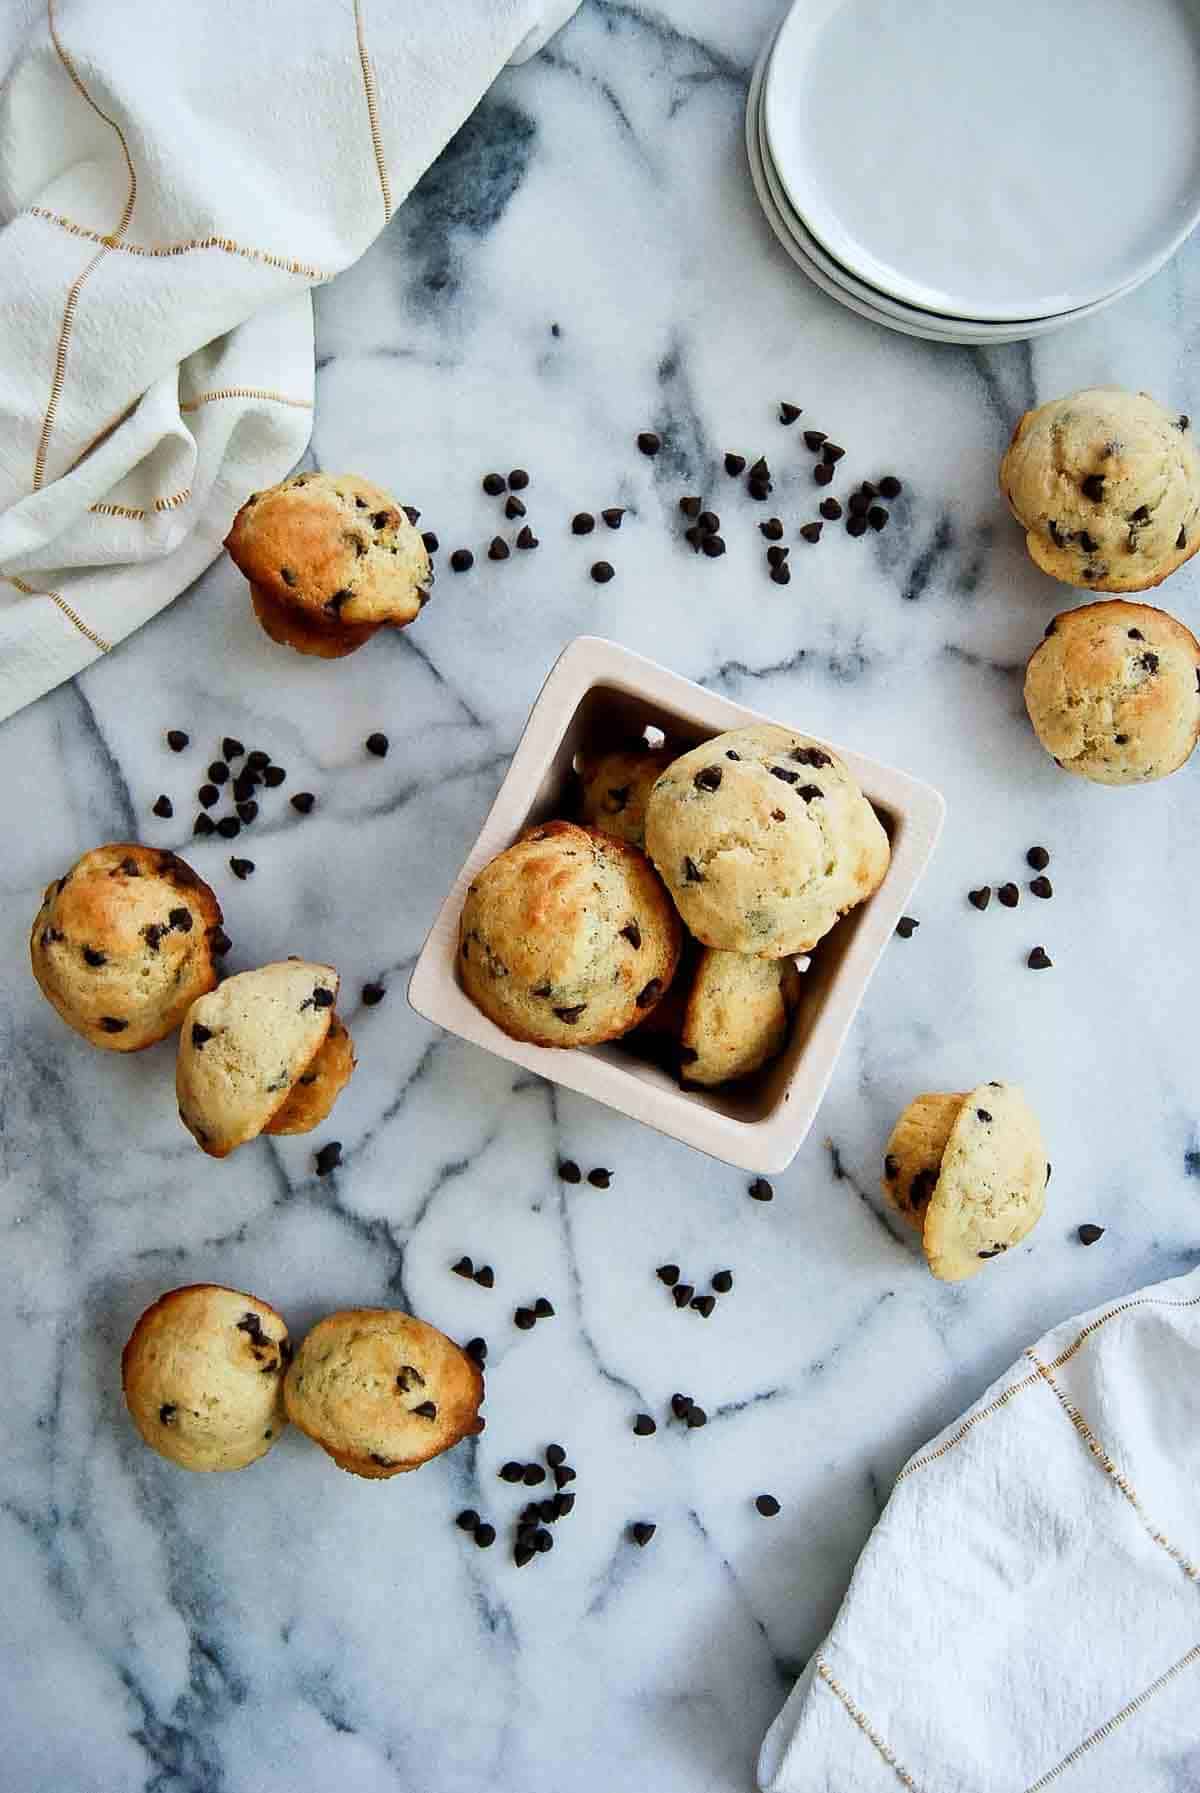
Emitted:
pixel 124 943
pixel 1106 485
pixel 203 1377
pixel 616 787
pixel 317 1089
pixel 244 1048
pixel 764 840
pixel 567 938
pixel 382 1392
pixel 1113 692
pixel 738 1014
pixel 330 558
pixel 969 1173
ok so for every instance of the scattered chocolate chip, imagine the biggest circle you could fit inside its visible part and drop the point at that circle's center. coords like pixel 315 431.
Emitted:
pixel 485 1535
pixel 777 555
pixel 681 1405
pixel 815 439
pixel 772 529
pixel 518 479
pixel 241 868
pixel 713 546
pixel 1041 887
pixel 906 927
pixel 856 526
pixel 555 1455
pixel 601 572
pixel 177 740
pixel 696 1416
pixel 691 506
pixel 526 538
pixel 524 1318
pixel 207 795
pixel 649 443
pixel 734 464
pixel 857 504
pixel 163 807
pixel 245 785
pixel 1093 487
pixel 1183 421
pixel 1038 858
pixel 811 532
pixel 533 1475
pixel 979 899
pixel 823 473
pixel 229 827
pixel 462 560
pixel 204 824
pixel 378 745
pixel 759 489
pixel 512 1472
pixel 644 1426
pixel 524 1553
pixel 219 942
pixel 1039 959
pixel 569 1171
pixel 493 484
pixel 218 772
pixel 682 1293
pixel 582 523
pixel 563 1474
pixel 248 812
pixel 258 761
pixel 599 1178
pixel 922 1187
pixel 464 1267
pixel 497 548
pixel 781 574
pixel 303 802
pixel 430 542
pixel 831 453
pixel 273 777
pixel 760 469
pixel 704 1304
pixel 1089 1233
pixel 668 1273
pixel 563 1504
pixel 722 1282
pixel 329 1157
pixel 641 1531
pixel 889 486
pixel 373 994
pixel 1009 895
pixel 877 517
pixel 788 413
pixel 543 1309
pixel 767 1505
pixel 761 1191
pixel 613 515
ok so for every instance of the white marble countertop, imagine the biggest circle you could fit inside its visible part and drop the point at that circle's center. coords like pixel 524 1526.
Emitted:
pixel 586 261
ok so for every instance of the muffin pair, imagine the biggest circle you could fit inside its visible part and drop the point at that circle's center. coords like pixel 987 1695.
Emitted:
pixel 968 1173
pixel 211 1384
pixel 759 840
pixel 331 559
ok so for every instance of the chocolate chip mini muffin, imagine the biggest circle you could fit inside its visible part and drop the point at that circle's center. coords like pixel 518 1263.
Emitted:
pixel 764 840
pixel 567 938
pixel 124 943
pixel 1106 485
pixel 1113 692
pixel 317 1089
pixel 968 1172
pixel 203 1377
pixel 615 789
pixel 330 558
pixel 738 1015
pixel 382 1392
pixel 244 1048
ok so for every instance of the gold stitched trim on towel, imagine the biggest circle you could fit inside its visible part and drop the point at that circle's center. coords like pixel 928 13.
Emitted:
pixel 73 615
pixel 1117 1718
pixel 1030 1381
pixel 372 113
pixel 117 510
pixel 73 73
pixel 278 398
pixel 864 1724
pixel 174 501
pixel 154 251
pixel 1106 1463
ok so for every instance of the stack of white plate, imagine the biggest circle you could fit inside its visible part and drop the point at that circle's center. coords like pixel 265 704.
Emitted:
pixel 979 173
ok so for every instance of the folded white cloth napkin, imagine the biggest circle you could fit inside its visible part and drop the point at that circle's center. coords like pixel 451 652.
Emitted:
pixel 1026 1614
pixel 173 180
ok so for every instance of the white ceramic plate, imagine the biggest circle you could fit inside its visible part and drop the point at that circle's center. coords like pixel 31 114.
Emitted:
pixel 990 162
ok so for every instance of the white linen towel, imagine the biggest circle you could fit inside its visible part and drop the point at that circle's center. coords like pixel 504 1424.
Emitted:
pixel 173 181
pixel 1026 1614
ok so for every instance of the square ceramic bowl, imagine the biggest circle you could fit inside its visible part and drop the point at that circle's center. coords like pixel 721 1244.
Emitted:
pixel 598 690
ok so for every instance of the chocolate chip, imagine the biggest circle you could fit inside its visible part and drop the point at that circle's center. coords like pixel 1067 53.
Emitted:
pixel 512 1472
pixel 180 919
pixel 177 740
pixel 163 807
pixel 427 1410
pixel 823 473
pixel 641 1531
pixel 257 761
pixel 810 793
pixel 408 1377
pixel 1009 895
pixel 329 1157
pixel 464 1267
pixel 788 413
pixel 922 1187
pixel 430 542
pixel 761 1190
pixel 709 779
pixel 569 1171
pixel 722 1281
pixel 649 993
pixel 696 1416
pixel 691 506
pixel 1039 960
pixel 273 777
pixel 857 504
pixel 856 526
pixel 248 812
pixel 983 1114
pixel 811 532
pixel 1121 741
pixel 1089 1233
pixel 889 486
pixel 704 1304
pixel 681 1405
pixel 613 515
pixel 526 538
pixel 245 785
pixel 1087 543
pixel 816 757
pixel 462 560
pixel 644 1426
pixel 1041 887
pixel 518 479
pixel 831 453
pixel 555 1455
pixel 208 794
pixel 476 1350
pixel 218 772
pixel 784 774
pixel 524 1553
pixel 734 464
pixel 94 958
pixel 767 1505
pixel 563 1504
pixel 219 942
pixel 378 745
pixel 708 522
pixel 229 827
pixel 772 529
pixel 241 868
pixel 167 1412
pixel 1051 628
pixel 467 1520
pixel 906 927
pixel 543 1309
pixel 759 489
pixel 682 1293
pixel 303 802
pixel 877 517
pixel 497 548
pixel 1150 662
pixel 533 1475
pixel 203 824
pixel 110 1024
pixel 891 1167
pixel 1038 858
pixel 335 601
pixel 782 574
pixel 815 439
pixel 691 871
pixel 633 934
pixel 979 899
pixel 713 546
pixel 570 1015
pixel 601 572
pixel 524 1318
pixel 668 1273
pixel 1093 487
pixel 563 1474
pixel 1183 421
pixel 493 484
pixel 649 443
